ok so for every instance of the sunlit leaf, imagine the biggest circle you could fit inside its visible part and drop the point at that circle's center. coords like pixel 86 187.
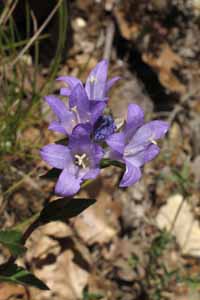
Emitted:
pixel 18 275
pixel 12 240
pixel 63 209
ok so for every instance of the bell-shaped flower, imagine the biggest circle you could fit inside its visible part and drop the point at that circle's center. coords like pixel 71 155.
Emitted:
pixel 79 160
pixel 80 110
pixel 97 86
pixel 136 144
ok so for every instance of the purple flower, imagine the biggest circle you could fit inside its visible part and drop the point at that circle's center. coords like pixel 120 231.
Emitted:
pixel 96 86
pixel 81 110
pixel 78 161
pixel 136 144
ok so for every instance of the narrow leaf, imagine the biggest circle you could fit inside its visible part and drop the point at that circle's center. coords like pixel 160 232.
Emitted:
pixel 18 275
pixel 51 174
pixel 12 240
pixel 63 209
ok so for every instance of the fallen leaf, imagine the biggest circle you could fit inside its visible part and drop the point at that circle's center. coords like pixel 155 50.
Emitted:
pixel 98 223
pixel 65 278
pixel 185 228
pixel 167 61
pixel 59 260
pixel 10 291
pixel 127 30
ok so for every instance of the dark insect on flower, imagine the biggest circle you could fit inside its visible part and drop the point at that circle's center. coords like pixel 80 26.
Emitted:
pixel 103 128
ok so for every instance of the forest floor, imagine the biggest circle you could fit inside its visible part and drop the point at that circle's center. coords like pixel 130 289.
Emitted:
pixel 142 242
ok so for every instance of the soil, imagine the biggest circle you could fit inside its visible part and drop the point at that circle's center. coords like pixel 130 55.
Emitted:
pixel 116 249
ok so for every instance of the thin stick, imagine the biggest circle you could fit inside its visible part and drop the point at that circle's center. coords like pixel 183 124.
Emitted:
pixel 110 31
pixel 35 36
pixel 8 12
pixel 176 216
pixel 5 11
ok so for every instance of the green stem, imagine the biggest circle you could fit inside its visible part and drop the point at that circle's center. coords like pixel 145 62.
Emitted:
pixel 106 162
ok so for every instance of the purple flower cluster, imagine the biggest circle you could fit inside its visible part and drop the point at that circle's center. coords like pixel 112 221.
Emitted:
pixel 93 136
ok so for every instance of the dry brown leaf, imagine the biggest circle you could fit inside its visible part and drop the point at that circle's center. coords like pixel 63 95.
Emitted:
pixel 54 255
pixel 185 228
pixel 175 134
pixel 127 30
pixel 65 278
pixel 165 64
pixel 98 223
pixel 10 291
pixel 191 294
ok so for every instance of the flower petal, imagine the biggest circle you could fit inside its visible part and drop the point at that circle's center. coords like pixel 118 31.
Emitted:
pixel 58 107
pixel 95 153
pixel 67 184
pixel 79 140
pixel 111 82
pixel 131 175
pixel 81 131
pixel 57 156
pixel 92 174
pixel 71 82
pixel 80 143
pixel 113 155
pixel 96 110
pixel 140 158
pixel 151 152
pixel 56 126
pixel 79 100
pixel 116 142
pixel 135 118
pixel 151 131
pixel 96 82
pixel 65 91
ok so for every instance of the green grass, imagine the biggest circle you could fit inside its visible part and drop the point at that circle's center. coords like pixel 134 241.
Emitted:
pixel 158 276
pixel 19 104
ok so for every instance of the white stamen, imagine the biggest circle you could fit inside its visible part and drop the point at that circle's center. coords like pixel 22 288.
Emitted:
pixel 74 109
pixel 80 160
pixel 92 79
pixel 151 140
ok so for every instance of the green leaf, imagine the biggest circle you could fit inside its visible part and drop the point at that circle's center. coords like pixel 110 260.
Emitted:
pixel 12 240
pixel 193 281
pixel 51 174
pixel 63 209
pixel 18 275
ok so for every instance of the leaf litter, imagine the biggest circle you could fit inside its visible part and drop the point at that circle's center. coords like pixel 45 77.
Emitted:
pixel 107 251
